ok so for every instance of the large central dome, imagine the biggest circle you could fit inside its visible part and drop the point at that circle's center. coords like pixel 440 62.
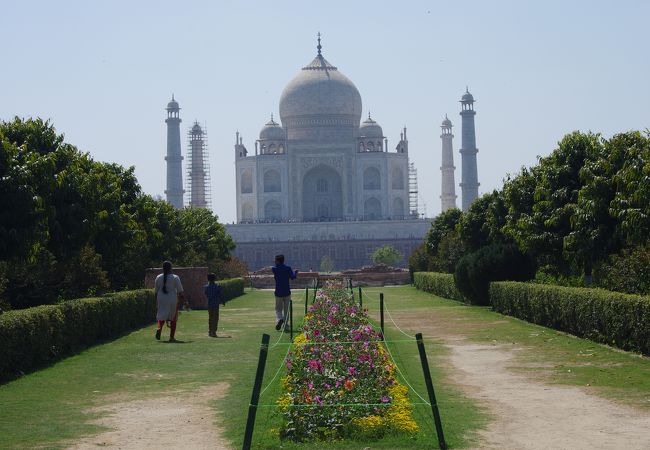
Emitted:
pixel 319 96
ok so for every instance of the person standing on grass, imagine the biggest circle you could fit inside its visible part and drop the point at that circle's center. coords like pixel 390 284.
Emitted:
pixel 214 293
pixel 282 275
pixel 169 294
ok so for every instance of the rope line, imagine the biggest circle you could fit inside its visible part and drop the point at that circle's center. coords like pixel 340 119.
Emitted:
pixel 397 326
pixel 284 324
pixel 341 342
pixel 276 372
pixel 404 376
pixel 317 405
pixel 290 344
pixel 390 316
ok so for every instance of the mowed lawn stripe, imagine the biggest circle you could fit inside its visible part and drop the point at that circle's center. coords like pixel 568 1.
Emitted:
pixel 52 407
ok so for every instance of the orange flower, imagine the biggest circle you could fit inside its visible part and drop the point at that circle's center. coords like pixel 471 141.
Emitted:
pixel 349 384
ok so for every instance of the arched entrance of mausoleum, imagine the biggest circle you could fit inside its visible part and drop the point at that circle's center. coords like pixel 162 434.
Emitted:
pixel 322 194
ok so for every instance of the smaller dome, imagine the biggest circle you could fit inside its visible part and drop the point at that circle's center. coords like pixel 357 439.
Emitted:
pixel 196 129
pixel 370 129
pixel 446 123
pixel 173 104
pixel 467 97
pixel 272 131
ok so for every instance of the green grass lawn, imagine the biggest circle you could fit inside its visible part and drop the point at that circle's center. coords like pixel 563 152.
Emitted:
pixel 50 408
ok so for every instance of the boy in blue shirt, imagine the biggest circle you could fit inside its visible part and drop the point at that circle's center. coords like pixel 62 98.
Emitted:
pixel 214 293
pixel 282 275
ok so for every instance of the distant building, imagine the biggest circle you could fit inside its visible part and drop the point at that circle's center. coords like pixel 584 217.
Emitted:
pixel 322 182
pixel 321 164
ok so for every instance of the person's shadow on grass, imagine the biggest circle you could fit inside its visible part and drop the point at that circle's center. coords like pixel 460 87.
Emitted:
pixel 176 341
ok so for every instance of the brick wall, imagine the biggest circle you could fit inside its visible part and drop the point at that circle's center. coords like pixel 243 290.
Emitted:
pixel 193 280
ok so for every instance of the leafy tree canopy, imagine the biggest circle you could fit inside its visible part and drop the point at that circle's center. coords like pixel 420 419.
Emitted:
pixel 386 254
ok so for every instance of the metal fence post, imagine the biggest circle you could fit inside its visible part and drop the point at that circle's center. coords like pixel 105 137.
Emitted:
pixel 432 394
pixel 252 407
pixel 381 314
pixel 291 319
pixel 306 298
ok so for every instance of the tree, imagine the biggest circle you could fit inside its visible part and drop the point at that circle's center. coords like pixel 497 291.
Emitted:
pixel 205 236
pixel 83 275
pixel 23 172
pixel 596 232
pixel 631 203
pixel 419 259
pixel 450 251
pixel 441 225
pixel 495 262
pixel 541 229
pixel 326 264
pixel 386 255
pixel 231 268
pixel 70 225
pixel 482 223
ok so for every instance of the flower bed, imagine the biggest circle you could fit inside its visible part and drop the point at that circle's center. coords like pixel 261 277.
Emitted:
pixel 340 381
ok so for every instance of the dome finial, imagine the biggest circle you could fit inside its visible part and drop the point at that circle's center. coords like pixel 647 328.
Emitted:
pixel 466 89
pixel 271 117
pixel 319 47
pixel 173 98
pixel 369 115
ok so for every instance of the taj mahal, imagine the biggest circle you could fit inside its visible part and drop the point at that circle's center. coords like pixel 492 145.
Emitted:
pixel 323 182
pixel 321 164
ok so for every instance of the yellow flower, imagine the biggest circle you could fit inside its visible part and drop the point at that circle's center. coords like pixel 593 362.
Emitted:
pixel 399 414
pixel 284 402
pixel 286 382
pixel 300 339
pixel 368 424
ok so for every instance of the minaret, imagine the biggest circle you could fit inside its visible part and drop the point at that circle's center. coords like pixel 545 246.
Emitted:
pixel 174 191
pixel 198 168
pixel 469 182
pixel 403 144
pixel 448 188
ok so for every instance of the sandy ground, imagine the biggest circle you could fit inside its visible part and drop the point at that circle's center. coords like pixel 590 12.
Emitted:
pixel 526 412
pixel 531 415
pixel 173 421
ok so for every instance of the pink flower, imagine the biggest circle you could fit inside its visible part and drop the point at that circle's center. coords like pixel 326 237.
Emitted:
pixel 352 371
pixel 315 365
pixel 385 399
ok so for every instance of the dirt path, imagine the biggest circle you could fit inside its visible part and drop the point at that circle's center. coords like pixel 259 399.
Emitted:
pixel 175 421
pixel 531 415
pixel 528 413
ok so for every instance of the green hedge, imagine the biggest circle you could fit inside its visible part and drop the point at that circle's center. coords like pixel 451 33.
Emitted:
pixel 232 287
pixel 440 284
pixel 613 318
pixel 32 337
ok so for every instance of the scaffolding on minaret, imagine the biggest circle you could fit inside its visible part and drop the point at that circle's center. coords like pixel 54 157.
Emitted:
pixel 413 191
pixel 198 168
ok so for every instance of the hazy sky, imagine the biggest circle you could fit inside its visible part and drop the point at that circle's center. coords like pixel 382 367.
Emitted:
pixel 103 72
